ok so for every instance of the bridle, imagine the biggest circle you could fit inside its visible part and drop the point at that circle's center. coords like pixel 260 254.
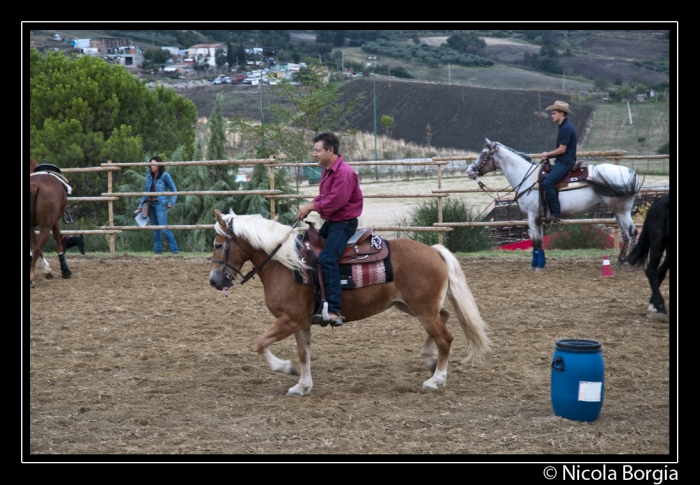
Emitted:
pixel 227 246
pixel 493 149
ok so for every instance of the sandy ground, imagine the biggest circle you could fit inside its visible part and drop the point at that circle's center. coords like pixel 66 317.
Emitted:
pixel 138 359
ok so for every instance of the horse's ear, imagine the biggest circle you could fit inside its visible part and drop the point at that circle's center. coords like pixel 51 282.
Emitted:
pixel 220 219
pixel 488 142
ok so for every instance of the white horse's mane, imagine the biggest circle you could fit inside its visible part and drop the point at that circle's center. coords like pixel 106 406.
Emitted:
pixel 266 234
pixel 520 154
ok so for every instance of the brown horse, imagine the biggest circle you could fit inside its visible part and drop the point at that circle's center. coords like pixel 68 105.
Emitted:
pixel 47 202
pixel 423 276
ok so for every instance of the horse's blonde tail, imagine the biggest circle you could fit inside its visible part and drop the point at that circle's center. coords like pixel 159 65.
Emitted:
pixel 478 342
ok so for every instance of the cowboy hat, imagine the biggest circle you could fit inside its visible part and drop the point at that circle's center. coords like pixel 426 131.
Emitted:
pixel 559 106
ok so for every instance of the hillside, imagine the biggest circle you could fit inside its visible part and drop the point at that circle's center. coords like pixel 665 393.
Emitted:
pixel 504 102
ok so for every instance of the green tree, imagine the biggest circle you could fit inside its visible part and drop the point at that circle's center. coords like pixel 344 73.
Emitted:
pixel 84 111
pixel 312 107
pixel 220 58
pixel 387 121
pixel 216 148
pixel 155 58
pixel 229 56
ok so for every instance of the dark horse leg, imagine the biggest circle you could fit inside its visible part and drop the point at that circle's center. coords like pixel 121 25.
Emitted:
pixel 656 274
pixel 65 271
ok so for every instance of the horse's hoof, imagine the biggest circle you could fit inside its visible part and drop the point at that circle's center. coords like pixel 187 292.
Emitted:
pixel 32 284
pixel 294 393
pixel 66 275
pixel 48 276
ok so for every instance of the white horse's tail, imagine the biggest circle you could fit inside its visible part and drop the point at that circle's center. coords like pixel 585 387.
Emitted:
pixel 478 343
pixel 614 181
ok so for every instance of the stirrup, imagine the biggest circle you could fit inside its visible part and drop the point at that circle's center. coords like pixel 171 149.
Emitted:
pixel 69 219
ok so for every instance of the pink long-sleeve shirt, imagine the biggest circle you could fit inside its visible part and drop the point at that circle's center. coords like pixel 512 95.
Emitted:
pixel 340 197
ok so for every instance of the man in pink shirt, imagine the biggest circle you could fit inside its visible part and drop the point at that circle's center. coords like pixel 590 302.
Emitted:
pixel 339 204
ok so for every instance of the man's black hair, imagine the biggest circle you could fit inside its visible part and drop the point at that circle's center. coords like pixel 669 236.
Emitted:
pixel 329 140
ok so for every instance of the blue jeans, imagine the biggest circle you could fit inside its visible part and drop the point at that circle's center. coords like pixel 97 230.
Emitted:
pixel 558 171
pixel 159 217
pixel 337 235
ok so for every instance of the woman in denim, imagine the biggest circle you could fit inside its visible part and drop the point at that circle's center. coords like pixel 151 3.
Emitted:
pixel 158 180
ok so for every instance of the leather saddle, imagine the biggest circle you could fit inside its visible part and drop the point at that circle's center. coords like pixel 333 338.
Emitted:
pixel 363 247
pixel 577 175
pixel 54 170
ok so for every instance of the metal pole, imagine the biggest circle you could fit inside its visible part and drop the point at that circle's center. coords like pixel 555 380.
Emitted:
pixel 374 80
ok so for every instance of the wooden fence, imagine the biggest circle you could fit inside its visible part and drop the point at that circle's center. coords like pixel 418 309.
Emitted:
pixel 440 227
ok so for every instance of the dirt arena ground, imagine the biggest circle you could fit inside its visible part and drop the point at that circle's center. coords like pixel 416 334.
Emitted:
pixel 137 357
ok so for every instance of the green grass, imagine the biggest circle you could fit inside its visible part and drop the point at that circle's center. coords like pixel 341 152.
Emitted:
pixel 611 128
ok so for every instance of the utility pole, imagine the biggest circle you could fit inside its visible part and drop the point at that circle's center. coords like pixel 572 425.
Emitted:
pixel 374 80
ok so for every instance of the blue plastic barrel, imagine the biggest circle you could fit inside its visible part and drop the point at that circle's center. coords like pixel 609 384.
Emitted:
pixel 577 379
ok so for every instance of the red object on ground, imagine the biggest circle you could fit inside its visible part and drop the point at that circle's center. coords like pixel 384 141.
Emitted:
pixel 526 244
pixel 607 269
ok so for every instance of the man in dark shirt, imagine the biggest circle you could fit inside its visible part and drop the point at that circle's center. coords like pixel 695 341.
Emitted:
pixel 565 154
pixel 339 204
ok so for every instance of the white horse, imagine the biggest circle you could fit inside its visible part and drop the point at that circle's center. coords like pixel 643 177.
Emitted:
pixel 610 184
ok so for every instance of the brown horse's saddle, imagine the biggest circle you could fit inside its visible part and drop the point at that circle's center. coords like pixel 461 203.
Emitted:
pixel 56 172
pixel 576 178
pixel 365 260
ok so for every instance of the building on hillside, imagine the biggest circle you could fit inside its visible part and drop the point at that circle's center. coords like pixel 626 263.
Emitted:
pixel 110 45
pixel 205 53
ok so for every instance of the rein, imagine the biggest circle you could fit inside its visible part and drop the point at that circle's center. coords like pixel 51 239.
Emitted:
pixel 485 189
pixel 251 273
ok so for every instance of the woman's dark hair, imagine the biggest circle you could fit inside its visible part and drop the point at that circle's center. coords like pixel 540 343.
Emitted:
pixel 329 140
pixel 161 168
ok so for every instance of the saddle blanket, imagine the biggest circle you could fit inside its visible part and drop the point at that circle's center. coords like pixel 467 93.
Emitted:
pixel 68 187
pixel 354 276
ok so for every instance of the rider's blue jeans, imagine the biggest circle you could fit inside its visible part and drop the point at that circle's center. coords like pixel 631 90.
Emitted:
pixel 159 217
pixel 337 235
pixel 559 169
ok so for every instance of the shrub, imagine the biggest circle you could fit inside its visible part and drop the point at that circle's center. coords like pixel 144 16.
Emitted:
pixel 580 237
pixel 460 239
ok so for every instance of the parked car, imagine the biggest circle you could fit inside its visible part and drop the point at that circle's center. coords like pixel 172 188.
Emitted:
pixel 216 81
pixel 227 80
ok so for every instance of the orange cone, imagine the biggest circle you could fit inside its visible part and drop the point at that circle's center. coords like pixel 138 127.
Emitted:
pixel 607 269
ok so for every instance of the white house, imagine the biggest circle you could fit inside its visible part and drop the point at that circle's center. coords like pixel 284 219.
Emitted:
pixel 205 53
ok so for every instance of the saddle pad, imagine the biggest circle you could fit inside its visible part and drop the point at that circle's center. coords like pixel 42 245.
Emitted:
pixel 357 275
pixel 59 177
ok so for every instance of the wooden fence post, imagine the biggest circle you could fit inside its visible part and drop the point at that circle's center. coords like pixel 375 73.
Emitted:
pixel 110 209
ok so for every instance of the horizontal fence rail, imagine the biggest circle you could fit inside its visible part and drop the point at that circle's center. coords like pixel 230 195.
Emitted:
pixel 440 227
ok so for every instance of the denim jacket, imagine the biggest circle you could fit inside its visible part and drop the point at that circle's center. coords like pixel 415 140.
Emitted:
pixel 162 184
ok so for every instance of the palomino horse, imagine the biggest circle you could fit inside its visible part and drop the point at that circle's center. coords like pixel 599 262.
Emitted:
pixel 653 242
pixel 423 275
pixel 47 202
pixel 610 184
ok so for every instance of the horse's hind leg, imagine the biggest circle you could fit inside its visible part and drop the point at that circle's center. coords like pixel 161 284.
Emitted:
pixel 655 275
pixel 38 254
pixel 628 231
pixel 442 339
pixel 429 351
pixel 65 271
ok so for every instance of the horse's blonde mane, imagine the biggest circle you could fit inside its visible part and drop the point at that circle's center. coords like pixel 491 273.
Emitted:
pixel 265 235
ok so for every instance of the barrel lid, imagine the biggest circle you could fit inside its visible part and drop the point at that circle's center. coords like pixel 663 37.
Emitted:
pixel 578 344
